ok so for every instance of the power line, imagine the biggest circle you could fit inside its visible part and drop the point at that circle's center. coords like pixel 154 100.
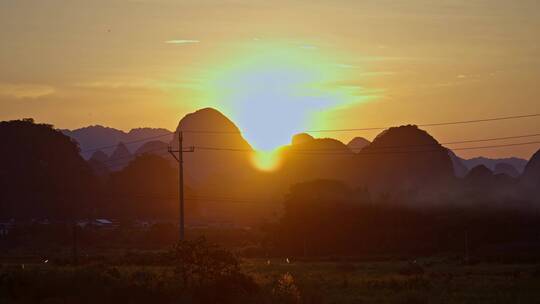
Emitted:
pixel 207 199
pixel 384 128
pixel 369 152
pixel 499 146
pixel 126 143
pixel 320 131
pixel 381 147
pixel 135 155
pixel 431 124
pixel 161 151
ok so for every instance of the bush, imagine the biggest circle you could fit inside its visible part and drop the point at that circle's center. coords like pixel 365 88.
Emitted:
pixel 212 272
pixel 412 269
pixel 285 290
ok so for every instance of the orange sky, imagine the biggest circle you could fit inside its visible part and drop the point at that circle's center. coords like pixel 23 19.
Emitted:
pixel 129 64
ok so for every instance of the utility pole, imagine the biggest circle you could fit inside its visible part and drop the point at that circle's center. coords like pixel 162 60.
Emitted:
pixel 74 249
pixel 180 160
pixel 466 246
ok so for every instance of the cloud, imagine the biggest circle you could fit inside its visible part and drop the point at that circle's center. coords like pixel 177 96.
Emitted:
pixel 309 47
pixel 346 66
pixel 21 91
pixel 182 41
pixel 113 84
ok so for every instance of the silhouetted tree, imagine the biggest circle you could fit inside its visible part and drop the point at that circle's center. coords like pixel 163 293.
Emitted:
pixel 42 172
pixel 146 188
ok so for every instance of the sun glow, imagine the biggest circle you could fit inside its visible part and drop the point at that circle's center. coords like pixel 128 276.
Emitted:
pixel 273 90
pixel 266 160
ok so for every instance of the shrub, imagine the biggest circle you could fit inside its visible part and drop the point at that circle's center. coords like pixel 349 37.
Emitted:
pixel 412 269
pixel 212 272
pixel 285 290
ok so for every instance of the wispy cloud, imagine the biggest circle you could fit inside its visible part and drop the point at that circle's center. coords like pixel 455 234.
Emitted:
pixel 25 90
pixel 346 66
pixel 182 41
pixel 113 84
pixel 309 47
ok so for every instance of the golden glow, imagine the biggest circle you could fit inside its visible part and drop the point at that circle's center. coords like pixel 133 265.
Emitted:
pixel 266 160
pixel 272 90
pixel 417 54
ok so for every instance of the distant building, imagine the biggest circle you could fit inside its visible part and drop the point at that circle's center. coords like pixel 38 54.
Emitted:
pixel 105 224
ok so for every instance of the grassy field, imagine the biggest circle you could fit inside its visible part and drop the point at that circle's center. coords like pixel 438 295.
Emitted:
pixel 281 281
pixel 402 282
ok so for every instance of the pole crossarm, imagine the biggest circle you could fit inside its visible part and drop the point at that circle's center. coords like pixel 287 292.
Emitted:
pixel 190 149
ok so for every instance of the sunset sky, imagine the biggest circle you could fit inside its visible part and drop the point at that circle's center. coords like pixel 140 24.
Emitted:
pixel 276 67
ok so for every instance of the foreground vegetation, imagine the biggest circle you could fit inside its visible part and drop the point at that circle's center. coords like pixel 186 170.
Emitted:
pixel 215 276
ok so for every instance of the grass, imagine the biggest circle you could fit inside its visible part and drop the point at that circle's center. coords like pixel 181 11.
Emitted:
pixel 384 282
pixel 440 281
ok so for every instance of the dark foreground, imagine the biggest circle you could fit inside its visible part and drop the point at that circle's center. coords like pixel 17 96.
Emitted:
pixel 435 280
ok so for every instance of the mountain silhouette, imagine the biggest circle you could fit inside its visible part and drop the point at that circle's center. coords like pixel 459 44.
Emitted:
pixel 315 158
pixel 100 136
pixel 156 147
pixel 460 170
pixel 505 168
pixel 218 132
pixel 147 188
pixel 357 144
pixel 401 159
pixel 99 156
pixel 120 157
pixel 225 172
pixel 98 163
pixel 531 174
pixel 518 163
pixel 485 186
pixel 301 138
pixel 479 175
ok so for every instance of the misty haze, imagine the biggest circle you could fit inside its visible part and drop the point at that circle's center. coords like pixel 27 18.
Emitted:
pixel 242 151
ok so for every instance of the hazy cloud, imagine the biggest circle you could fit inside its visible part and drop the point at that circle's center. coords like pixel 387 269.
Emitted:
pixel 182 41
pixel 25 90
pixel 116 84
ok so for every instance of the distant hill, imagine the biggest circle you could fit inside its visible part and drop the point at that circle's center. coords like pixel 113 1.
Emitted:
pixel 99 136
pixel 220 132
pixel 512 166
pixel 518 163
pixel 156 147
pixel 315 158
pixel 479 176
pixel 531 174
pixel 487 186
pixel 402 159
pixel 119 158
pixel 301 138
pixel 221 167
pixel 508 169
pixel 99 156
pixel 357 144
pixel 98 163
pixel 460 170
